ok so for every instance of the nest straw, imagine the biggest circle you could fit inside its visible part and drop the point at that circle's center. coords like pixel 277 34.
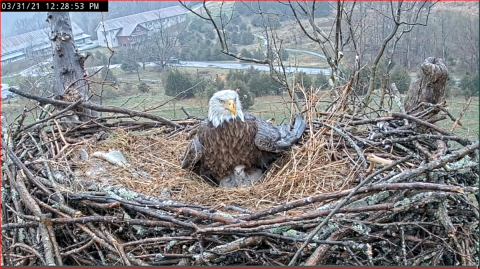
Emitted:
pixel 293 176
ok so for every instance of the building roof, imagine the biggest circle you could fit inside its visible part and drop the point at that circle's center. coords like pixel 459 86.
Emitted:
pixel 128 29
pixel 19 42
pixel 82 36
pixel 142 17
pixel 12 55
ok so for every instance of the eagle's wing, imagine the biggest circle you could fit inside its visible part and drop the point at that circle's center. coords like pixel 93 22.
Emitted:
pixel 273 138
pixel 193 154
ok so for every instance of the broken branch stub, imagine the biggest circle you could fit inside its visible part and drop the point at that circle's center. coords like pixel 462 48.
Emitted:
pixel 430 87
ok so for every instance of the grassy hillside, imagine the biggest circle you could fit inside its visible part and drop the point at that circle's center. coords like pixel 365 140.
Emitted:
pixel 278 107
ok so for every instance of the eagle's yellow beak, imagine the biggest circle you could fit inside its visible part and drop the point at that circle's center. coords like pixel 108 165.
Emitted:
pixel 230 105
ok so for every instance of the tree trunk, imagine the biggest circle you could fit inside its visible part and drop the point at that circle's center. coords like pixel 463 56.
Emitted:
pixel 67 62
pixel 430 87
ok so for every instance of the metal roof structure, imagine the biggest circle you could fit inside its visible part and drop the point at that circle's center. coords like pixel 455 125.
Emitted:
pixel 13 55
pixel 152 15
pixel 128 29
pixel 20 42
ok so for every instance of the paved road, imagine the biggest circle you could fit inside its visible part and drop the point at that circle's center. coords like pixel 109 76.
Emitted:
pixel 308 52
pixel 143 79
pixel 224 65
pixel 90 46
pixel 35 70
pixel 293 50
pixel 288 69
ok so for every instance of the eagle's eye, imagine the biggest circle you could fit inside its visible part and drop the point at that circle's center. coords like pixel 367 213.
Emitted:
pixel 222 101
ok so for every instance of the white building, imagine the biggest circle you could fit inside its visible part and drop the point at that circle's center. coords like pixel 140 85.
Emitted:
pixel 34 43
pixel 124 31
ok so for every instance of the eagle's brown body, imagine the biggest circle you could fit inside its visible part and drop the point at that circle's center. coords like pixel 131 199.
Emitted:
pixel 229 145
pixel 227 141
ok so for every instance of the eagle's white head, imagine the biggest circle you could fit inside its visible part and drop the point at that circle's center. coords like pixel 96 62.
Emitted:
pixel 224 105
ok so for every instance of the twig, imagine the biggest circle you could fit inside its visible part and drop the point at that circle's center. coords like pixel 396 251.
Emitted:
pixel 157 240
pixel 27 172
pixel 239 243
pixel 443 160
pixel 100 108
pixel 457 121
pixel 152 213
pixel 33 206
pixel 426 136
pixel 85 229
pixel 340 204
pixel 68 108
pixel 284 221
pixel 321 250
pixel 350 141
pixel 424 123
pixel 31 250
pixel 321 197
pixel 404 250
pixel 186 112
pixel 78 250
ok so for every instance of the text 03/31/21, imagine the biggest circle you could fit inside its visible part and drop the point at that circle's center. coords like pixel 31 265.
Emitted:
pixel 44 6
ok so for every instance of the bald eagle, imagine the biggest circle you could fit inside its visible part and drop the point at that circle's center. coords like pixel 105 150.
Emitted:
pixel 234 149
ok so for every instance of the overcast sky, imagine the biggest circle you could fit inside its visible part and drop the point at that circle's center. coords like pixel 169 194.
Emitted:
pixel 8 18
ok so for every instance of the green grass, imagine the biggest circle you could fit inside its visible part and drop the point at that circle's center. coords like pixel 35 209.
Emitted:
pixel 279 108
pixel 147 74
pixel 265 106
pixel 470 120
pixel 13 109
pixel 151 73
pixel 157 103
pixel 12 81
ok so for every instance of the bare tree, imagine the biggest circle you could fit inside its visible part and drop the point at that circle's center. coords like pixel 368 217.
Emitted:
pixel 125 8
pixel 85 20
pixel 143 51
pixel 469 45
pixel 140 50
pixel 273 42
pixel 30 24
pixel 43 81
pixel 163 40
pixel 399 25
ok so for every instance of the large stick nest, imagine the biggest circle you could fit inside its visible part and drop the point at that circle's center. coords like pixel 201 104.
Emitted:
pixel 356 190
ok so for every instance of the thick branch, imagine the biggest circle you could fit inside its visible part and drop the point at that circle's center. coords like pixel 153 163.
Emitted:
pixel 112 109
